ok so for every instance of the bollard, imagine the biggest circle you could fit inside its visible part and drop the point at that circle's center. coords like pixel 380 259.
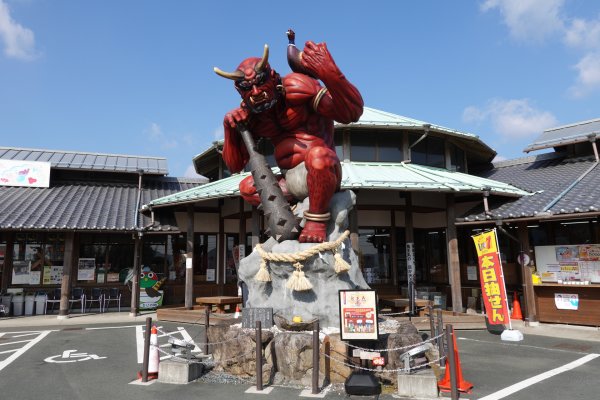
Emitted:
pixel 431 323
pixel 451 362
pixel 315 371
pixel 206 324
pixel 259 383
pixel 327 360
pixel 439 330
pixel 146 349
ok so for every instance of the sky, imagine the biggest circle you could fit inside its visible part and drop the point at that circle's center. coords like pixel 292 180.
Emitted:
pixel 136 77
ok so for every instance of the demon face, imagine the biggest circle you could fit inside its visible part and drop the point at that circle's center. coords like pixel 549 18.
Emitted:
pixel 256 82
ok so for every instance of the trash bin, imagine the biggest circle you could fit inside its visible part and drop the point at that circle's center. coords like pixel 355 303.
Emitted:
pixel 17 301
pixel 29 300
pixel 6 300
pixel 40 303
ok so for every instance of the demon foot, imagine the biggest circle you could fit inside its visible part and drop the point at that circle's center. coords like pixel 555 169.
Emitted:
pixel 313 232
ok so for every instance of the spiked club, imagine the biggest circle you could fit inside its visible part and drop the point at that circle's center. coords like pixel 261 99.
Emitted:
pixel 280 220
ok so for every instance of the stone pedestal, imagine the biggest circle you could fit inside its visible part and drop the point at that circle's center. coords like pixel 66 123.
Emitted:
pixel 178 372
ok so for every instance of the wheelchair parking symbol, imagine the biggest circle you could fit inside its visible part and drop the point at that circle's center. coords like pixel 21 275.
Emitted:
pixel 70 356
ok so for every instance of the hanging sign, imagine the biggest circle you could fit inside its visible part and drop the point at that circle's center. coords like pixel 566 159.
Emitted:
pixel 24 173
pixel 358 315
pixel 492 280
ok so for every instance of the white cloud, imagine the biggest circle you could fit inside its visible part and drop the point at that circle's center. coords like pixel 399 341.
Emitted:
pixel 529 20
pixel 499 158
pixel 218 133
pixel 156 135
pixel 190 172
pixel 19 42
pixel 588 75
pixel 511 119
pixel 583 33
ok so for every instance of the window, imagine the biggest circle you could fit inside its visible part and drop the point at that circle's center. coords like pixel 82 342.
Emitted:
pixel 338 140
pixel 231 258
pixel 374 244
pixel 34 255
pixel 205 256
pixel 430 255
pixel 389 148
pixel 112 253
pixel 362 147
pixel 368 146
pixel 429 151
pixel 457 158
pixel 154 254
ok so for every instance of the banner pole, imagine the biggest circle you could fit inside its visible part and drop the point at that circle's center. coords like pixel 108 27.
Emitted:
pixel 502 276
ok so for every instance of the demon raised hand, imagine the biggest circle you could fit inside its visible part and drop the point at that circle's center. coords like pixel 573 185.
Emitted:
pixel 296 114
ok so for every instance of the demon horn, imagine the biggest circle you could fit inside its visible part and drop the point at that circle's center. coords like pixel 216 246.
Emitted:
pixel 235 76
pixel 264 61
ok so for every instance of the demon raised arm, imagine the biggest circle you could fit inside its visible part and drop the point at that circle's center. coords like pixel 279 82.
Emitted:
pixel 296 114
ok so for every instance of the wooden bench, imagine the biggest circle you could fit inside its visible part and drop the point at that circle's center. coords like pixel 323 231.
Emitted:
pixel 401 305
pixel 219 301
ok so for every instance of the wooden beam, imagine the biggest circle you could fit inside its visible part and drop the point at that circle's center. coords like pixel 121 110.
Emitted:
pixel 69 269
pixel 189 272
pixel 526 280
pixel 453 259
pixel 393 249
pixel 222 248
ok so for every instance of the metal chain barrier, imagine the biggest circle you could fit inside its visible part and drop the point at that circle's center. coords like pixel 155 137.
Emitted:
pixel 399 313
pixel 410 346
pixel 385 371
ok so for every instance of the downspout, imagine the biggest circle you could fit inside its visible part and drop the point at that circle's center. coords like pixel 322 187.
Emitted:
pixel 139 199
pixel 423 136
pixel 562 194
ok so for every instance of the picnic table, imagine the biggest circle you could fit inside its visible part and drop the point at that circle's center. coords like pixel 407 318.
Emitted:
pixel 219 301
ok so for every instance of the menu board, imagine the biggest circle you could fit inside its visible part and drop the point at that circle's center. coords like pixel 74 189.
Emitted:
pixel 569 263
pixel 358 315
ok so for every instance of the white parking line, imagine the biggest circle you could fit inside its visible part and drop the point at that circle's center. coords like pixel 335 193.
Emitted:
pixel 538 378
pixel 19 352
pixel 112 327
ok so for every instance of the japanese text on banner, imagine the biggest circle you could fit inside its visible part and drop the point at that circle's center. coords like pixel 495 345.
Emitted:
pixel 492 286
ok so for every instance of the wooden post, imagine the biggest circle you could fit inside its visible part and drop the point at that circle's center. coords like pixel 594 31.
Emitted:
pixel 315 369
pixel 221 248
pixel 206 325
pixel 453 259
pixel 69 269
pixel 327 359
pixel 393 248
pixel 431 323
pixel 135 282
pixel 189 272
pixel 8 262
pixel 259 383
pixel 146 359
pixel 255 226
pixel 440 341
pixel 528 292
pixel 452 362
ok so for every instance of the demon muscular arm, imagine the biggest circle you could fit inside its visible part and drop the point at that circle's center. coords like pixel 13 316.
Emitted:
pixel 341 101
pixel 235 154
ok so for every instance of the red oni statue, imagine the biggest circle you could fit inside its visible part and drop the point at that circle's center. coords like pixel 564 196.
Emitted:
pixel 296 113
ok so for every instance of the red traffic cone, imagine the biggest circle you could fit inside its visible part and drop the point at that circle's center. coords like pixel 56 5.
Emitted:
pixel 516 311
pixel 237 312
pixel 462 385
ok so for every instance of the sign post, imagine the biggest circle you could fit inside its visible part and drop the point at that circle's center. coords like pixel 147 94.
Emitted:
pixel 411 278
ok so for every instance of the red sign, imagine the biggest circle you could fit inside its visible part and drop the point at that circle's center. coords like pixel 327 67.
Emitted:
pixel 492 280
pixel 378 361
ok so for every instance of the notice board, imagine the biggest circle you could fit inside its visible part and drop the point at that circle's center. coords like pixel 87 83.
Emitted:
pixel 579 262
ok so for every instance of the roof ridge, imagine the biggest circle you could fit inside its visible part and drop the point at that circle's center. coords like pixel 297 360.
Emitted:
pixel 527 159
pixel 79 152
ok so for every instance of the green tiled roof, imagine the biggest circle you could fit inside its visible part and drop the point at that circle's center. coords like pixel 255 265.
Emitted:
pixel 357 175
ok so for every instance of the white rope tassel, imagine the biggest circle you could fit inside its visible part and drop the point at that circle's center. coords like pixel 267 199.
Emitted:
pixel 263 273
pixel 298 281
pixel 340 265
